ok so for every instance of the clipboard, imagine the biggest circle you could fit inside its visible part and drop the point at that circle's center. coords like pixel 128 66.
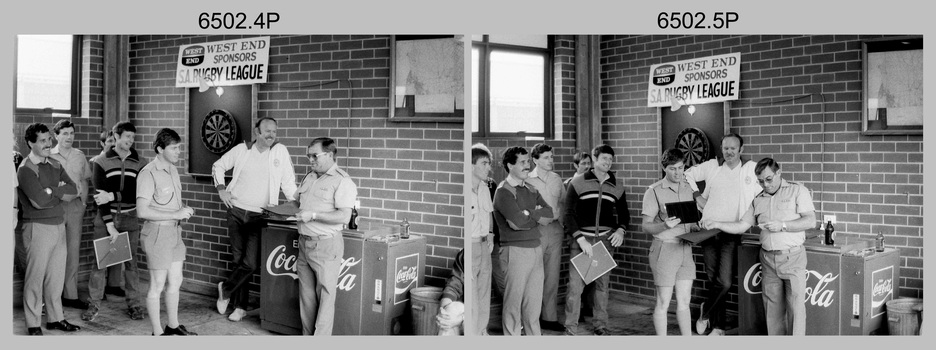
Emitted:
pixel 283 212
pixel 107 254
pixel 589 269
pixel 686 211
pixel 698 237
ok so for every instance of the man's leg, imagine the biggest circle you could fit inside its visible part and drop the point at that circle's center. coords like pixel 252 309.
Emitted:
pixel 574 294
pixel 532 303
pixel 308 303
pixel 551 242
pixel 774 303
pixel 55 275
pixel 96 280
pixel 711 257
pixel 498 271
pixel 793 272
pixel 600 309
pixel 481 282
pixel 38 245
pixel 243 231
pixel 663 296
pixel 517 273
pixel 727 255
pixel 157 282
pixel 326 260
pixel 128 222
pixel 74 212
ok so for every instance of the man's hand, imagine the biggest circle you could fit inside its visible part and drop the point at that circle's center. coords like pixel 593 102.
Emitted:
pixel 617 238
pixel 583 244
pixel 773 226
pixel 112 231
pixel 304 216
pixel 103 197
pixel 226 197
pixel 490 244
pixel 544 221
pixel 672 221
pixel 185 213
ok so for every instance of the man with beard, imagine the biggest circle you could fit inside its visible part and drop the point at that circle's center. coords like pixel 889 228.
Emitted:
pixel 549 185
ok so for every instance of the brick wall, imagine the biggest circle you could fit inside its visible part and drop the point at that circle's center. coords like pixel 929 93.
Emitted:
pixel 871 183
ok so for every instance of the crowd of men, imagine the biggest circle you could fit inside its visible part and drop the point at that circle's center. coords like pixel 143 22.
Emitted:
pixel 143 199
pixel 518 227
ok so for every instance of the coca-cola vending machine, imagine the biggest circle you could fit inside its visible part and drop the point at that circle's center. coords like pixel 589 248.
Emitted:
pixel 832 276
pixel 279 282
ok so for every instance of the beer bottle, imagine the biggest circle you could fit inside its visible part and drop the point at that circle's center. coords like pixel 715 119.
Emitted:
pixel 879 242
pixel 829 230
pixel 352 224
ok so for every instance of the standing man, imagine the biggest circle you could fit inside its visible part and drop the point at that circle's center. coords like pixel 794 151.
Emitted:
pixel 261 170
pixel 519 210
pixel 594 210
pixel 44 187
pixel 481 233
pixel 326 197
pixel 730 186
pixel 670 257
pixel 106 141
pixel 784 211
pixel 76 166
pixel 114 178
pixel 159 202
pixel 582 163
pixel 549 185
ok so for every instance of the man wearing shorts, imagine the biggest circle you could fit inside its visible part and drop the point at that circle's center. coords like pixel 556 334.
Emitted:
pixel 159 203
pixel 670 257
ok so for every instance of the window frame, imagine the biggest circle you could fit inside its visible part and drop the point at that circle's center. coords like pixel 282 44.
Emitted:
pixel 485 48
pixel 75 105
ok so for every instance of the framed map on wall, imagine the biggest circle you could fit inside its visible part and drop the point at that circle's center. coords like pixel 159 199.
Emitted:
pixel 427 78
pixel 893 86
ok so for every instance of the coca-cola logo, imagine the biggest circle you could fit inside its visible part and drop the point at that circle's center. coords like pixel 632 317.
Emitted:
pixel 817 293
pixel 280 264
pixel 883 286
pixel 407 275
pixel 346 280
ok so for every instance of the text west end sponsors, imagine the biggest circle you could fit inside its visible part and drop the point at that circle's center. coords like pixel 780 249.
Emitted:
pixel 704 80
pixel 236 62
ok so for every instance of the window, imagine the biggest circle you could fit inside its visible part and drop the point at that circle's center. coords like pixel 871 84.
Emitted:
pixel 47 74
pixel 511 86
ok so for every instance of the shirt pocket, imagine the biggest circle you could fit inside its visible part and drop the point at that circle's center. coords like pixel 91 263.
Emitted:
pixel 325 193
pixel 163 195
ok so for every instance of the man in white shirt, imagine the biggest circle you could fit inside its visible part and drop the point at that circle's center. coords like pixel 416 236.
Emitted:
pixel 261 170
pixel 480 209
pixel 549 185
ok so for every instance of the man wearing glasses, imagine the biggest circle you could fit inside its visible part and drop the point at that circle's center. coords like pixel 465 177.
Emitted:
pixel 261 170
pixel 783 211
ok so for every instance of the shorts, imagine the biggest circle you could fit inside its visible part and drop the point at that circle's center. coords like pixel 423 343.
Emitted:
pixel 162 244
pixel 671 262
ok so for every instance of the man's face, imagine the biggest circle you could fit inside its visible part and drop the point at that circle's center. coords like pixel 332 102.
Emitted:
pixel 674 172
pixel 603 163
pixel 769 180
pixel 731 149
pixel 266 133
pixel 124 141
pixel 545 161
pixel 43 145
pixel 481 169
pixel 108 143
pixel 65 137
pixel 172 152
pixel 320 160
pixel 583 165
pixel 520 169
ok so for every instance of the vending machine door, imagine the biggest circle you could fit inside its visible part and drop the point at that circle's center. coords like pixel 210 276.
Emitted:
pixel 869 280
pixel 279 283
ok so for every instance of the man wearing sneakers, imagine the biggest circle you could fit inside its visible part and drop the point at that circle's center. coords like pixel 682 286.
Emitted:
pixel 261 169
pixel 114 178
pixel 159 202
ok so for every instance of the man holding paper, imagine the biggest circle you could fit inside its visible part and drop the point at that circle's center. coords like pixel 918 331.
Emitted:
pixel 670 258
pixel 594 210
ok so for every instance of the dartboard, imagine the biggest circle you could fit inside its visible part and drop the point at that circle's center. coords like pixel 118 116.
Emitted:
pixel 694 144
pixel 219 131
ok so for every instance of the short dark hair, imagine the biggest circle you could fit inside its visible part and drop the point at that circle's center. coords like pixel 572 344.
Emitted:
pixel 539 149
pixel 672 156
pixel 764 163
pixel 598 150
pixel 165 137
pixel 122 127
pixel 479 151
pixel 105 135
pixel 33 131
pixel 328 145
pixel 579 156
pixel 62 124
pixel 260 121
pixel 511 155
pixel 740 140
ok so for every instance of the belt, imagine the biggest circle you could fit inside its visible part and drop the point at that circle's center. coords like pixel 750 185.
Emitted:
pixel 164 222
pixel 314 238
pixel 479 239
pixel 668 240
pixel 589 234
pixel 122 211
pixel 783 251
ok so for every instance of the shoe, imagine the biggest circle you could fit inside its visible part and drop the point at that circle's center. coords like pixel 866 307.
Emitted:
pixel 222 303
pixel 35 331
pixel 237 315
pixel 702 323
pixel 90 312
pixel 62 326
pixel 552 326
pixel 568 331
pixel 136 313
pixel 74 303
pixel 716 332
pixel 115 291
pixel 601 331
pixel 180 330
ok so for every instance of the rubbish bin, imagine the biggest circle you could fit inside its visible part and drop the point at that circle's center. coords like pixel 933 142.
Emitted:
pixel 903 316
pixel 425 306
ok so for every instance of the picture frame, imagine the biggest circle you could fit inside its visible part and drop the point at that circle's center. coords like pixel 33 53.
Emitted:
pixel 427 78
pixel 892 86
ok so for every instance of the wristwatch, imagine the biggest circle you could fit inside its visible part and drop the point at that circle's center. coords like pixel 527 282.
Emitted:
pixel 48 191
pixel 783 228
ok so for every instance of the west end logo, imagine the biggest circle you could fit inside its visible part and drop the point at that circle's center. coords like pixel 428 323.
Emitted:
pixel 664 75
pixel 193 55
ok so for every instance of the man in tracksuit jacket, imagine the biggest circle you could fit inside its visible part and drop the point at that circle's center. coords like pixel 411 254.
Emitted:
pixel 595 210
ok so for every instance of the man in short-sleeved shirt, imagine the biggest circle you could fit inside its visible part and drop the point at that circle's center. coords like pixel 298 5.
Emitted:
pixel 326 197
pixel 784 210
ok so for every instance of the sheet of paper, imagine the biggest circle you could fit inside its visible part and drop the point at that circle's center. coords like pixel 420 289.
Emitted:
pixel 438 103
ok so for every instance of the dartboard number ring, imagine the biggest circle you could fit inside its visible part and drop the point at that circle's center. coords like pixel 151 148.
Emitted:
pixel 219 131
pixel 694 144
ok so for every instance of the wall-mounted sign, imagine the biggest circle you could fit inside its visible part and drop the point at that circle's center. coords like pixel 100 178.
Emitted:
pixel 224 63
pixel 698 81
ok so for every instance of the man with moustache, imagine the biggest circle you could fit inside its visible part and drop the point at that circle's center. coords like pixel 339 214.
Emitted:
pixel 594 210
pixel 261 170
pixel 480 207
pixel 730 186
pixel 114 178
pixel 784 211
pixel 582 162
pixel 43 188
pixel 326 197
pixel 76 166
pixel 159 203
pixel 549 185
pixel 519 210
